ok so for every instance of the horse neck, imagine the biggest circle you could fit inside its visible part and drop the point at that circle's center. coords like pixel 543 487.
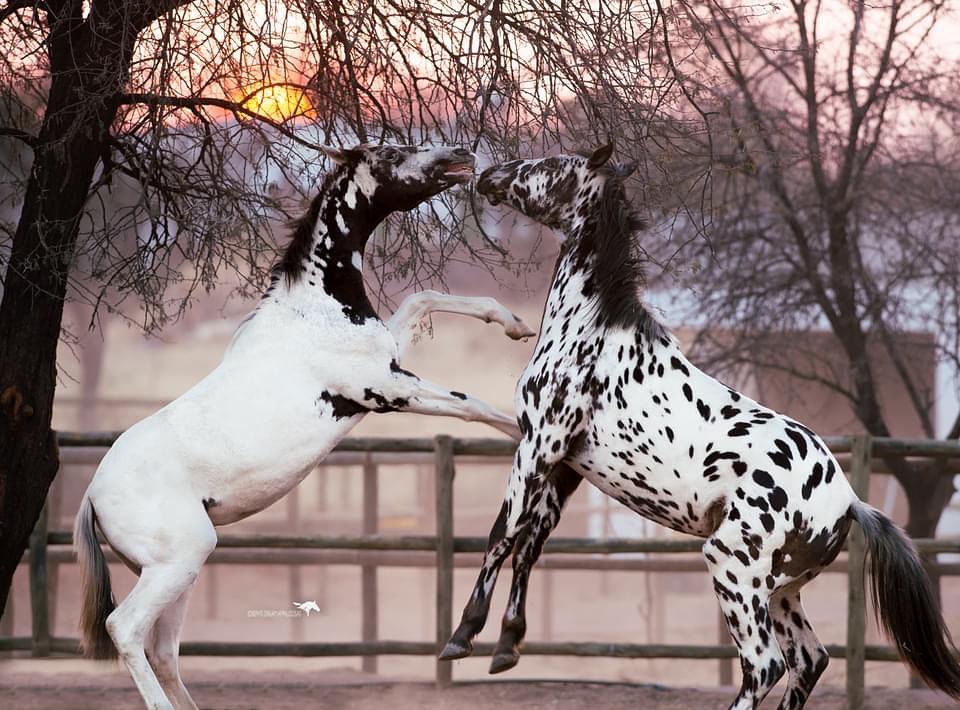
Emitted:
pixel 609 292
pixel 329 267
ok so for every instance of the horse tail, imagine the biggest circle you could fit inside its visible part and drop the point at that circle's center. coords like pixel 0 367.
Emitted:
pixel 904 602
pixel 98 601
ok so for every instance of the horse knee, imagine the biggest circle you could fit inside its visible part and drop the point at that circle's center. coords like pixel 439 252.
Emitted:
pixel 773 672
pixel 813 667
pixel 822 661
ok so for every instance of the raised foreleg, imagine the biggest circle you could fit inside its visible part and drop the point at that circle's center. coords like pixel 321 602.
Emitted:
pixel 415 308
pixel 523 487
pixel 403 391
pixel 547 507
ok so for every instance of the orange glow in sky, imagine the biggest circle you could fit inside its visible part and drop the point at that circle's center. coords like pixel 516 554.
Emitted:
pixel 278 102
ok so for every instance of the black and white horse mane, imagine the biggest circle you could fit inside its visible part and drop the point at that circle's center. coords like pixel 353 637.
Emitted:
pixel 616 267
pixel 292 264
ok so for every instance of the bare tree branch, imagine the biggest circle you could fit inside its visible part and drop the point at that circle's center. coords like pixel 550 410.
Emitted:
pixel 22 136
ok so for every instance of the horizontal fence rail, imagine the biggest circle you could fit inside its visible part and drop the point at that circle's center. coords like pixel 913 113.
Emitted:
pixel 370 550
pixel 428 543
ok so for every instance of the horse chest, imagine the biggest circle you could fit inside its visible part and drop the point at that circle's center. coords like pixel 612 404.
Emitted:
pixel 644 441
pixel 551 386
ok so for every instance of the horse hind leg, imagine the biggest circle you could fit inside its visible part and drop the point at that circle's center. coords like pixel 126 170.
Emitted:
pixel 806 657
pixel 746 609
pixel 133 623
pixel 163 652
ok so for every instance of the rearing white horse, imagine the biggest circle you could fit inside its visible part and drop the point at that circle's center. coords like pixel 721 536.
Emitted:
pixel 300 373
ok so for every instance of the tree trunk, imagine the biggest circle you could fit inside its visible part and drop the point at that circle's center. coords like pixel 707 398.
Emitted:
pixel 87 70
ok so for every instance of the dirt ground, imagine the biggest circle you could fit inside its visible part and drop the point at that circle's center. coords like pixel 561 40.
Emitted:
pixel 350 690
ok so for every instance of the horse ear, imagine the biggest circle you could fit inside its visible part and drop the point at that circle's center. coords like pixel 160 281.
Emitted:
pixel 625 170
pixel 337 155
pixel 600 156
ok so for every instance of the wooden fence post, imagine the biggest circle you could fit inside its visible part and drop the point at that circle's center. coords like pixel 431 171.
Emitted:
pixel 39 598
pixel 443 453
pixel 860 462
pixel 368 572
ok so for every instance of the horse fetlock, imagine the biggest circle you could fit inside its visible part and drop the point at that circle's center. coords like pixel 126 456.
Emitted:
pixel 514 627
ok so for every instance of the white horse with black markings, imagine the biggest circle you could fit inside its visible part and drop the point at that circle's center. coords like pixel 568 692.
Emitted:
pixel 302 370
pixel 610 397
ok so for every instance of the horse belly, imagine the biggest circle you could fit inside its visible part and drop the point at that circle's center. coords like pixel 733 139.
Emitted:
pixel 235 446
pixel 266 456
pixel 658 499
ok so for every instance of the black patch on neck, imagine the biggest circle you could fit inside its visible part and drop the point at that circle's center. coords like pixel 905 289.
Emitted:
pixel 606 251
pixel 333 264
pixel 293 264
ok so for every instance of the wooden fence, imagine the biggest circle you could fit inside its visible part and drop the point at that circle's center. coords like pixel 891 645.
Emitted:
pixel 857 455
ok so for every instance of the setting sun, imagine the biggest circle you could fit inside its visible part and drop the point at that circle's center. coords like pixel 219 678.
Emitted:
pixel 279 102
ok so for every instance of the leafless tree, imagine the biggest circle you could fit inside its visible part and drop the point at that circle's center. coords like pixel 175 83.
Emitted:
pixel 834 201
pixel 155 143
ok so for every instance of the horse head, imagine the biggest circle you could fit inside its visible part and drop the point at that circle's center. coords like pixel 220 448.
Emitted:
pixel 557 191
pixel 400 177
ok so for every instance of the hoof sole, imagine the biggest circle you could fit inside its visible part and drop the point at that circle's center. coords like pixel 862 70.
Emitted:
pixel 452 651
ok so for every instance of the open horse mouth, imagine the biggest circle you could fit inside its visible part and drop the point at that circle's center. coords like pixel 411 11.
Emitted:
pixel 457 171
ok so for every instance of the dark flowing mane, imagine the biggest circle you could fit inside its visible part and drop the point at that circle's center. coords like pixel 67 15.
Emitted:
pixel 293 263
pixel 617 270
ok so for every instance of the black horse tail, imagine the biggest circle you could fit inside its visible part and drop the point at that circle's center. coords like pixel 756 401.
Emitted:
pixel 904 601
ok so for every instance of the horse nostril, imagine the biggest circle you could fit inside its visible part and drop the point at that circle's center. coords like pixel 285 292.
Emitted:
pixel 463 152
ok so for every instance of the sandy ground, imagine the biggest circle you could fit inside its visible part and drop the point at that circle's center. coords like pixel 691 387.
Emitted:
pixel 348 690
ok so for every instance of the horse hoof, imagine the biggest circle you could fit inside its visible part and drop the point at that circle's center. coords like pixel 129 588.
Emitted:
pixel 518 330
pixel 453 650
pixel 504 661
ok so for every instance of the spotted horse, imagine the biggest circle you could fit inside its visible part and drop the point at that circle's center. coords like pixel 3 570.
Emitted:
pixel 301 371
pixel 609 396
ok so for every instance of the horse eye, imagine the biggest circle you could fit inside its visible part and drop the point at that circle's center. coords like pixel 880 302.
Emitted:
pixel 391 155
